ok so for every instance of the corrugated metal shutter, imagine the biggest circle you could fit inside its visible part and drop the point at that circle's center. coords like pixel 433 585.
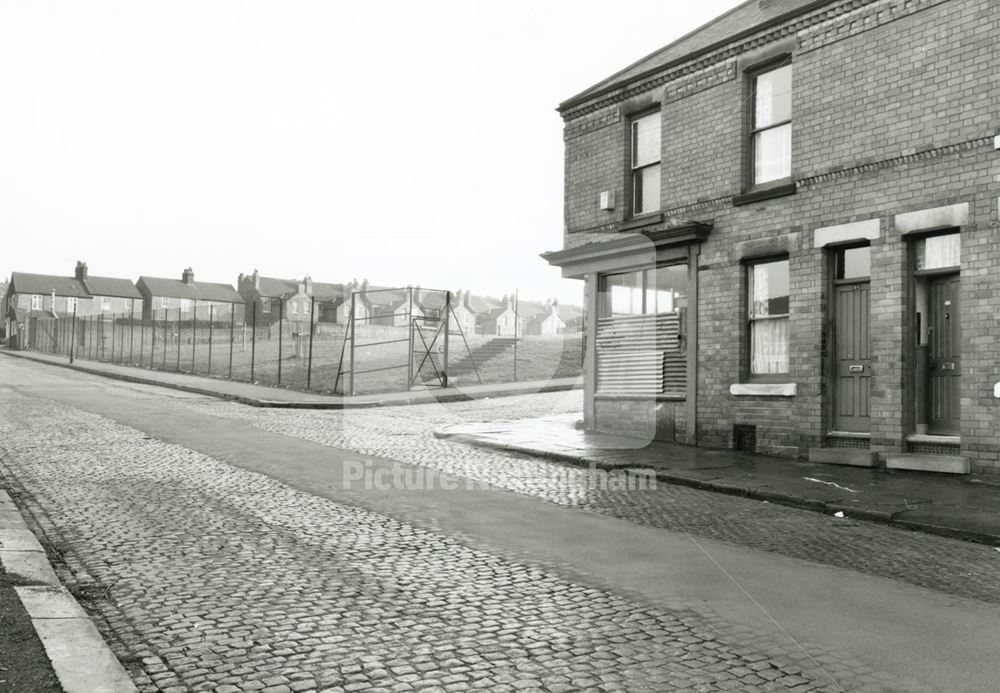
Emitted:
pixel 640 355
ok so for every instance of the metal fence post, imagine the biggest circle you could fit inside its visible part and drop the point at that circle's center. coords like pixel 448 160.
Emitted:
pixel 409 353
pixel 72 338
pixel 232 333
pixel 211 322
pixel 194 334
pixel 131 335
pixel 516 321
pixel 166 341
pixel 354 327
pixel 152 338
pixel 447 325
pixel 281 317
pixel 178 339
pixel 312 330
pixel 253 341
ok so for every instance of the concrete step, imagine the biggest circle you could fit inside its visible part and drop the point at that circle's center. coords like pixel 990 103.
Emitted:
pixel 922 462
pixel 854 457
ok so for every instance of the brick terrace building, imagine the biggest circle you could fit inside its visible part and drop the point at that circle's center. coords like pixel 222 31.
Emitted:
pixel 50 296
pixel 185 299
pixel 786 223
pixel 290 299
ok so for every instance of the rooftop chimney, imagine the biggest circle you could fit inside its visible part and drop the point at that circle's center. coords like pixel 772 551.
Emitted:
pixel 308 285
pixel 188 276
pixel 81 270
pixel 256 279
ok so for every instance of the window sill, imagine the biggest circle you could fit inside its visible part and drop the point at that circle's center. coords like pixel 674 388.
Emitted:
pixel 763 389
pixel 649 397
pixel 641 221
pixel 766 193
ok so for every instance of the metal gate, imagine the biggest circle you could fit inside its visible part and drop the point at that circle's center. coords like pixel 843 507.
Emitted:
pixel 387 317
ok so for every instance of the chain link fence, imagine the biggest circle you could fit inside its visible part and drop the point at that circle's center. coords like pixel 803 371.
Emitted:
pixel 380 346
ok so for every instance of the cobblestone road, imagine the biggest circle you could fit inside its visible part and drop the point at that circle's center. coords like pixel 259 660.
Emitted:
pixel 208 577
pixel 947 565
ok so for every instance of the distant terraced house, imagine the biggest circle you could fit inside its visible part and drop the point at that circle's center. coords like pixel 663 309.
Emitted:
pixel 48 296
pixel 186 299
pixel 291 299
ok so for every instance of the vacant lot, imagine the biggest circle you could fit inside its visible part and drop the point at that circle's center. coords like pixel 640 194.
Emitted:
pixel 289 358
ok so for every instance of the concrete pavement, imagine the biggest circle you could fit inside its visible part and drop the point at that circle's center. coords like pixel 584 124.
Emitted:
pixel 965 508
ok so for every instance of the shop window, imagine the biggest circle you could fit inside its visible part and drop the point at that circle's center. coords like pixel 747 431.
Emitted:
pixel 640 342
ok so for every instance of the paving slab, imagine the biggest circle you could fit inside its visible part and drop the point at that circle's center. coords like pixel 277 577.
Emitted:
pixel 46 601
pixel 19 540
pixel 966 508
pixel 11 519
pixel 29 565
pixel 81 660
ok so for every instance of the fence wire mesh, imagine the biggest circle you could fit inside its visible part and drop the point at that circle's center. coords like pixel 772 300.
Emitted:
pixel 383 340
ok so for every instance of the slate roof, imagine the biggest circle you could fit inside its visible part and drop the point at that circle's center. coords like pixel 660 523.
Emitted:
pixel 111 286
pixel 327 292
pixel 271 287
pixel 745 18
pixel 25 283
pixel 484 304
pixel 431 299
pixel 176 288
pixel 385 296
pixel 531 309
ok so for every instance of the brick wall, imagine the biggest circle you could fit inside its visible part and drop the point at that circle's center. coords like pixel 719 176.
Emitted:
pixel 894 110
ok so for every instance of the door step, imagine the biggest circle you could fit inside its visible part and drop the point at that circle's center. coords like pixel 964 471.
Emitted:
pixel 943 464
pixel 854 457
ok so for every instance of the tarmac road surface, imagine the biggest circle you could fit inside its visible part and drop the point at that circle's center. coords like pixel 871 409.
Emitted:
pixel 227 548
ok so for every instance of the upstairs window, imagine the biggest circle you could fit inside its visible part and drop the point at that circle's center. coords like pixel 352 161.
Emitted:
pixel 771 133
pixel 36 302
pixel 70 305
pixel 645 159
pixel 768 316
pixel 105 303
pixel 265 305
pixel 164 302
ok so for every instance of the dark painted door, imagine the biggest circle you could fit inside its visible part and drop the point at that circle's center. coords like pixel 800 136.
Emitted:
pixel 944 357
pixel 853 358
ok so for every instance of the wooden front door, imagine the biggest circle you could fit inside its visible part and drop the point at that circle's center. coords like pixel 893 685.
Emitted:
pixel 852 358
pixel 944 356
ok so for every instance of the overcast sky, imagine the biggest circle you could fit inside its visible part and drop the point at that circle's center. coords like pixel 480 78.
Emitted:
pixel 405 142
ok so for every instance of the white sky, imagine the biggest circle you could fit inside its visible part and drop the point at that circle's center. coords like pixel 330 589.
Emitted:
pixel 405 142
